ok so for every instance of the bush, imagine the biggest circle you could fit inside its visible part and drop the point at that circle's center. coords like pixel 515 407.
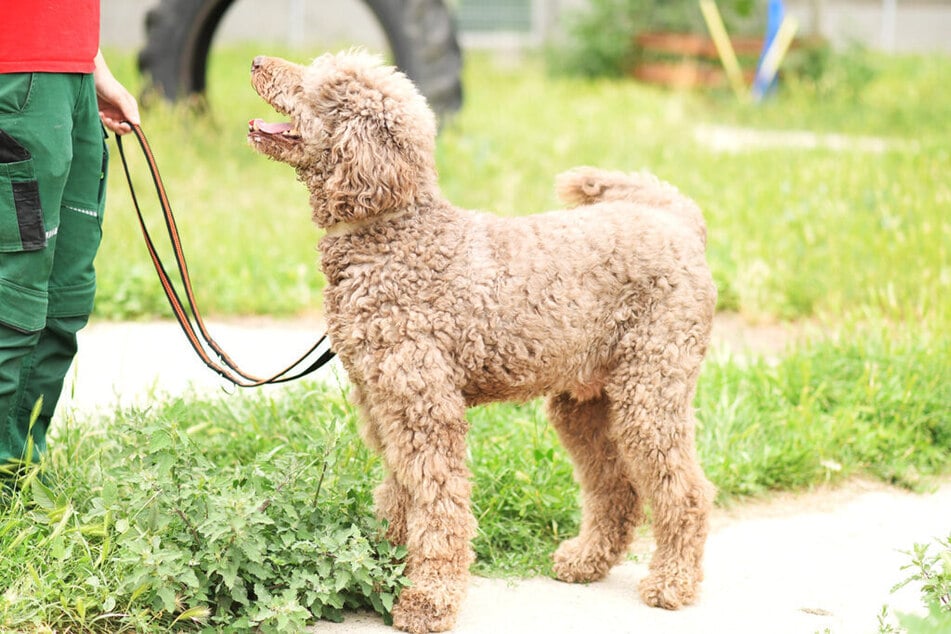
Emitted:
pixel 602 38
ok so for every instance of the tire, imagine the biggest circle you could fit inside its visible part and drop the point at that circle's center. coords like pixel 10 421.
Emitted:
pixel 421 35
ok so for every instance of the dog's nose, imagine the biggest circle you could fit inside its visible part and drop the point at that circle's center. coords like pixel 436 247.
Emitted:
pixel 257 62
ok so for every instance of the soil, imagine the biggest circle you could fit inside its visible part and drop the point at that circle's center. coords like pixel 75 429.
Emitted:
pixel 733 332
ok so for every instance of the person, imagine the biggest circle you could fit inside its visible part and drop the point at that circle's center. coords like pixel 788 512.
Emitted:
pixel 57 98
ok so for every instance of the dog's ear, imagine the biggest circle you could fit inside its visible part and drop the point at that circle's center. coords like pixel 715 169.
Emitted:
pixel 373 172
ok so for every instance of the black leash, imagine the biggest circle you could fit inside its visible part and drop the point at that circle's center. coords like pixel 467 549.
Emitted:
pixel 189 318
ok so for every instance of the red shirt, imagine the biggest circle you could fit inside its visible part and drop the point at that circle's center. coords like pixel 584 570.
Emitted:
pixel 54 36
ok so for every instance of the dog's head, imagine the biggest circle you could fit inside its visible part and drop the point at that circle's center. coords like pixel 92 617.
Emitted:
pixel 360 135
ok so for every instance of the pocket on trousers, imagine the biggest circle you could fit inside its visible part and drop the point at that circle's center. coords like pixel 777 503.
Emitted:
pixel 21 215
pixel 15 92
pixel 103 176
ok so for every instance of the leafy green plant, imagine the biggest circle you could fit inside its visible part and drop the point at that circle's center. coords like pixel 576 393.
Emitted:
pixel 599 43
pixel 164 526
pixel 932 570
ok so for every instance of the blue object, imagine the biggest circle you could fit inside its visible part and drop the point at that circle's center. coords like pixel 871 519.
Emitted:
pixel 775 12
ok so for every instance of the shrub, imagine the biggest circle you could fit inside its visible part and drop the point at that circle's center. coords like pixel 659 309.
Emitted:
pixel 601 40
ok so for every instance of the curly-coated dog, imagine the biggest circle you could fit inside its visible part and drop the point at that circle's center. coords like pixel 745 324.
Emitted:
pixel 605 308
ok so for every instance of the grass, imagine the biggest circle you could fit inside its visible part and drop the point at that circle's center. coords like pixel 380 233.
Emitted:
pixel 793 233
pixel 873 404
pixel 256 509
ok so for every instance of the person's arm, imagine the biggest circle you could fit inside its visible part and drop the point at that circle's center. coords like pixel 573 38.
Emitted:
pixel 116 104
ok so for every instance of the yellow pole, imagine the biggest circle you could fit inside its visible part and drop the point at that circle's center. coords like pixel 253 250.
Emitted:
pixel 774 55
pixel 724 47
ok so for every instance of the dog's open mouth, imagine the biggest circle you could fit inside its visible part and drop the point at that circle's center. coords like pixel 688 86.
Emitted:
pixel 284 131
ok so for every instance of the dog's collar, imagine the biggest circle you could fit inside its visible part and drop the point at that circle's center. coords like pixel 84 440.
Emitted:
pixel 343 228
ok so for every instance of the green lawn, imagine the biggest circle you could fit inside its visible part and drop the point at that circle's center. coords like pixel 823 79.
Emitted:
pixel 793 233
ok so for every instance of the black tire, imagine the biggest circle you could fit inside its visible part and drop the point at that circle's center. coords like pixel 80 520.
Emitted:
pixel 421 35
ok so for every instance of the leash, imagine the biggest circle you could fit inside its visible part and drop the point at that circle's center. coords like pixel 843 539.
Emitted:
pixel 190 318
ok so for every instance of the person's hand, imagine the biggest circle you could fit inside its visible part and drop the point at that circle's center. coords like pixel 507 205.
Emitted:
pixel 116 104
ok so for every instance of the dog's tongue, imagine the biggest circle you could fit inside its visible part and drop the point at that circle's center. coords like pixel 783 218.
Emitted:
pixel 269 128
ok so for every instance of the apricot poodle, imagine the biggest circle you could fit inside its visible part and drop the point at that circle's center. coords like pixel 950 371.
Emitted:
pixel 605 309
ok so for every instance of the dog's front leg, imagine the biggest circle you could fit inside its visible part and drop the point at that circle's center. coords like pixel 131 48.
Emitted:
pixel 422 434
pixel 391 497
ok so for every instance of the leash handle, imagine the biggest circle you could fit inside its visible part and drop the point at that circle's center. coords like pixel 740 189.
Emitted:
pixel 189 319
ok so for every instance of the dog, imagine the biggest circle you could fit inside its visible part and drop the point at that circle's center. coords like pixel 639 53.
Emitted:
pixel 604 308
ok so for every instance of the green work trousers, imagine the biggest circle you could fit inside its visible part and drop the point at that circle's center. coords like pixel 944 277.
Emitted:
pixel 53 160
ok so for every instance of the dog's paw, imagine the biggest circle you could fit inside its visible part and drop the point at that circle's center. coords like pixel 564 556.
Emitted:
pixel 670 590
pixel 420 611
pixel 578 562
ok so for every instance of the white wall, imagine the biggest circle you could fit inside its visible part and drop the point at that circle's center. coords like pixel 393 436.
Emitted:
pixel 321 23
pixel 920 25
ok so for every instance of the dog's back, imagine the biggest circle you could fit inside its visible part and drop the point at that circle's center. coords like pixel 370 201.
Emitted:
pixel 589 185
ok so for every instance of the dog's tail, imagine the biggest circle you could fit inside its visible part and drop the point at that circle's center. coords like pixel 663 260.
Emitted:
pixel 587 185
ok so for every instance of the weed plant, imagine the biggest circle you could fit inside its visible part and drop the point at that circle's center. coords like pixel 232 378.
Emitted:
pixel 239 514
pixel 931 570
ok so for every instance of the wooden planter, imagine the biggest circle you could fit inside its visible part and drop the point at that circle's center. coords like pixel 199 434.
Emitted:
pixel 688 60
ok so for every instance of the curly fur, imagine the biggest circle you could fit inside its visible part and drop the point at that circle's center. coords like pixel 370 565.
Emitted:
pixel 604 308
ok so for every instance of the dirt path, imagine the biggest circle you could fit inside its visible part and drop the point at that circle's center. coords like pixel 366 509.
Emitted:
pixel 731 331
pixel 823 561
pixel 127 362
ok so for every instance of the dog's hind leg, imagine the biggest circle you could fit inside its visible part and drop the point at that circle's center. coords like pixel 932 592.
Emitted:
pixel 611 508
pixel 652 396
